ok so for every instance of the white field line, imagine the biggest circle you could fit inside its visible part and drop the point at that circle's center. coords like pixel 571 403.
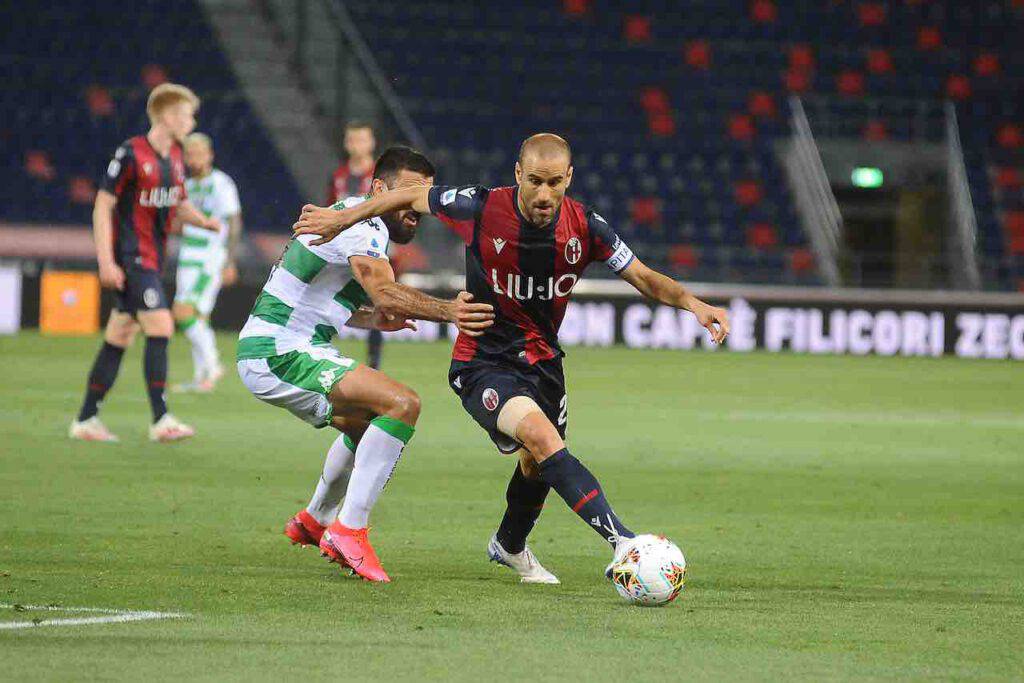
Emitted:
pixel 860 417
pixel 109 616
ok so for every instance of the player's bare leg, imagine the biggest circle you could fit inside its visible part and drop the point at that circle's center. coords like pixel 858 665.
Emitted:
pixel 308 525
pixel 117 336
pixel 576 485
pixel 397 408
pixel 158 326
pixel 524 501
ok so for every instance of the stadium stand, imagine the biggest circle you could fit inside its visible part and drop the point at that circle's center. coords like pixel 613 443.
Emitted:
pixel 683 155
pixel 77 78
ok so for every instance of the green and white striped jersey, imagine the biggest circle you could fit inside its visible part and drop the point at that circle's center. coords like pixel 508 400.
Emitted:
pixel 311 291
pixel 215 195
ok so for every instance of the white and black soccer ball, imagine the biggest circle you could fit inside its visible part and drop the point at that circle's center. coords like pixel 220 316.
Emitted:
pixel 648 570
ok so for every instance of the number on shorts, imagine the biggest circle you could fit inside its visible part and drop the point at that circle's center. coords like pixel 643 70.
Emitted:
pixel 563 412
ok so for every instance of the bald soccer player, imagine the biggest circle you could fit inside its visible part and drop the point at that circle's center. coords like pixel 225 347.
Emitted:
pixel 527 246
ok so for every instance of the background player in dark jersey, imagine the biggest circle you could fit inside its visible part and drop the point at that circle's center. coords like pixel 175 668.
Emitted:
pixel 526 247
pixel 352 178
pixel 141 191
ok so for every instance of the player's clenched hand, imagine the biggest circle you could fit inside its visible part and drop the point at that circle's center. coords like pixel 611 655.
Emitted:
pixel 715 319
pixel 324 222
pixel 111 276
pixel 390 323
pixel 470 318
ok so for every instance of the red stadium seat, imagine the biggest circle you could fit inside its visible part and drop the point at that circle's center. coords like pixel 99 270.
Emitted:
pixel 797 80
pixel 801 56
pixel 871 13
pixel 683 256
pixel 876 131
pixel 879 61
pixel 958 87
pixel 761 104
pixel 38 165
pixel 987 64
pixel 636 29
pixel 654 100
pixel 762 236
pixel 929 38
pixel 697 54
pixel 741 127
pixel 99 101
pixel 153 75
pixel 645 210
pixel 576 8
pixel 850 83
pixel 764 11
pixel 81 190
pixel 662 125
pixel 747 192
pixel 1014 224
pixel 1009 178
pixel 1010 136
pixel 801 260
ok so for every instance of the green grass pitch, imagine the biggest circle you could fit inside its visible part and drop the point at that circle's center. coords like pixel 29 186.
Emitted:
pixel 843 518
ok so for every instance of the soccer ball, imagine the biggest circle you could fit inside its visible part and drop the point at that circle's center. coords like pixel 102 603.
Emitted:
pixel 649 570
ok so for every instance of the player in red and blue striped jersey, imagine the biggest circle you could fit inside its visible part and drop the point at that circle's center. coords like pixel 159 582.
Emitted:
pixel 526 248
pixel 142 191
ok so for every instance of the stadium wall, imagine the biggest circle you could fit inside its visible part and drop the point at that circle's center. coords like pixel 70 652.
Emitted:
pixel 773 319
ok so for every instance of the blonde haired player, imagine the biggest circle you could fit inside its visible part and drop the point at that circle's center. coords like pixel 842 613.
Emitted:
pixel 140 194
pixel 206 260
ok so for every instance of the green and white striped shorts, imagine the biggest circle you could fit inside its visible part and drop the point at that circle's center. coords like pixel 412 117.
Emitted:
pixel 298 380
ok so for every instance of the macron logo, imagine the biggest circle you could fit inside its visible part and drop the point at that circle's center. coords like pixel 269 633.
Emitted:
pixel 499 244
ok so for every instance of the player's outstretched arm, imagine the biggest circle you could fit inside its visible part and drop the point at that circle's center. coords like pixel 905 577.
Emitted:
pixel 188 213
pixel 395 300
pixel 662 288
pixel 328 223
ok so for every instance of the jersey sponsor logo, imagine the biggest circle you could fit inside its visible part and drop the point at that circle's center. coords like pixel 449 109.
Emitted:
pixel 160 197
pixel 490 399
pixel 326 379
pixel 467 192
pixel 621 257
pixel 573 250
pixel 448 197
pixel 499 244
pixel 151 297
pixel 525 287
pixel 147 168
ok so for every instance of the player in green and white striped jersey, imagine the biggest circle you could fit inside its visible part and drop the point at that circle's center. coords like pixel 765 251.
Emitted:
pixel 286 359
pixel 206 259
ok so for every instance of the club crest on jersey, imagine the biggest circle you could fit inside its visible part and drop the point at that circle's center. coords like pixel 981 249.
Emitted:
pixel 150 297
pixel 490 399
pixel 573 250
pixel 499 244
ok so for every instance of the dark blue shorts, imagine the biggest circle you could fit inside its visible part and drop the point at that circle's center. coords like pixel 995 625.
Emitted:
pixel 143 291
pixel 485 386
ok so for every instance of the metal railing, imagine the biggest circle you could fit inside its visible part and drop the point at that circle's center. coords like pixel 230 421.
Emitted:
pixel 339 68
pixel 819 212
pixel 963 260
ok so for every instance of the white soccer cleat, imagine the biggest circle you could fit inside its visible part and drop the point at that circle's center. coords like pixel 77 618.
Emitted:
pixel 524 563
pixel 91 430
pixel 169 428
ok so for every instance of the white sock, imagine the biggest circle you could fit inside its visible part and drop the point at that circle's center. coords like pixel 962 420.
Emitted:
pixel 323 506
pixel 208 342
pixel 376 458
pixel 194 335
